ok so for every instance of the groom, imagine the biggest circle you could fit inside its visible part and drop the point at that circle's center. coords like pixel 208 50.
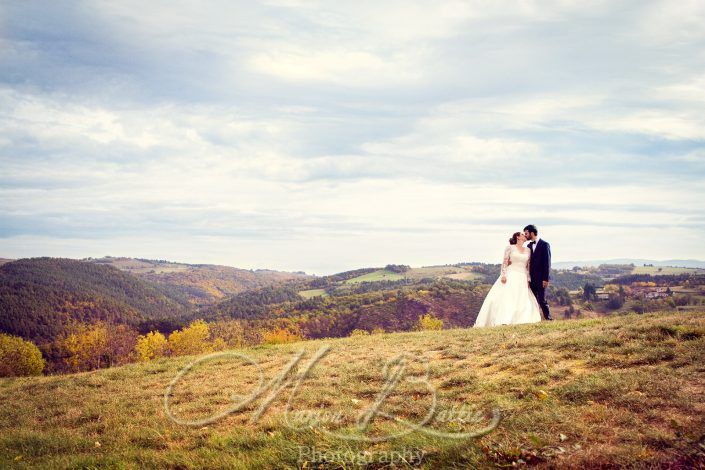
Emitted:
pixel 539 267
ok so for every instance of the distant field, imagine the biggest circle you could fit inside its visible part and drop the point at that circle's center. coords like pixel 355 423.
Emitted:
pixel 143 267
pixel 616 392
pixel 416 274
pixel 653 270
pixel 379 275
pixel 464 276
pixel 307 294
pixel 452 272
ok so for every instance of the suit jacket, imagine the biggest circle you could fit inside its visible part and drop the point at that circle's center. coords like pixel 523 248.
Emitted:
pixel 540 262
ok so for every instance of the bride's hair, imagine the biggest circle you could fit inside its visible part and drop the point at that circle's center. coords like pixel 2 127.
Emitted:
pixel 513 240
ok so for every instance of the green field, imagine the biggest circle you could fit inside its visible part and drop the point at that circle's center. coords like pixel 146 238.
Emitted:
pixel 452 272
pixel 653 270
pixel 379 275
pixel 307 294
pixel 416 274
pixel 624 391
pixel 137 266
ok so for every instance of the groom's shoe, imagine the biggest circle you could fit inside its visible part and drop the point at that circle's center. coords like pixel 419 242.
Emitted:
pixel 549 318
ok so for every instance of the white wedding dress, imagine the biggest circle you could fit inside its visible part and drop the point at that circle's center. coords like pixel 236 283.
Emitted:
pixel 511 302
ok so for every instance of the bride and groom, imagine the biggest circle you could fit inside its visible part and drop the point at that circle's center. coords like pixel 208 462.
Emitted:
pixel 519 294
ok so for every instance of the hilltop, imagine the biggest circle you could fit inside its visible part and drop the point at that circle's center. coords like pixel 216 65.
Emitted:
pixel 201 284
pixel 618 391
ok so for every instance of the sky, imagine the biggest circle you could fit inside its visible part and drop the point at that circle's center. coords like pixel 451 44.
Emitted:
pixel 327 136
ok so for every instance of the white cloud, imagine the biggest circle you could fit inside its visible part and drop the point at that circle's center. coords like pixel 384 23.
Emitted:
pixel 325 136
pixel 343 67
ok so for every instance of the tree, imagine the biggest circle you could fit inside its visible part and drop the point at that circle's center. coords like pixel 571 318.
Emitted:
pixel 429 322
pixel 397 268
pixel 121 344
pixel 19 357
pixel 151 346
pixel 567 313
pixel 192 339
pixel 280 336
pixel 615 301
pixel 231 332
pixel 86 346
pixel 589 292
pixel 560 295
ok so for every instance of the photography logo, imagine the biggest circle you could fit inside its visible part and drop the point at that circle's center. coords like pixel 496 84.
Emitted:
pixel 293 376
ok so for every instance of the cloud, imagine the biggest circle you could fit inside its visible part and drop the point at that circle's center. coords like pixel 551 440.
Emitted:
pixel 324 136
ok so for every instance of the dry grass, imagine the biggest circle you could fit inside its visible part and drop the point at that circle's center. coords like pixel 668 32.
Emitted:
pixel 627 391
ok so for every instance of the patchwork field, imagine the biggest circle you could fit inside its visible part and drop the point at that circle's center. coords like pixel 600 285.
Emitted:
pixel 379 275
pixel 656 270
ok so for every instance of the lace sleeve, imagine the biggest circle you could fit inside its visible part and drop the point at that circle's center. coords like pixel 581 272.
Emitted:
pixel 505 259
pixel 528 263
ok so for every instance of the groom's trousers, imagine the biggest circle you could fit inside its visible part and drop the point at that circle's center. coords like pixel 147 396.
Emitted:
pixel 540 293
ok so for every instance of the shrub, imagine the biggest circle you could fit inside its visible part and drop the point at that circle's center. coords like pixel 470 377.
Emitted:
pixel 280 336
pixel 88 346
pixel 193 339
pixel 615 301
pixel 358 332
pixel 151 346
pixel 85 346
pixel 19 357
pixel 429 322
pixel 231 332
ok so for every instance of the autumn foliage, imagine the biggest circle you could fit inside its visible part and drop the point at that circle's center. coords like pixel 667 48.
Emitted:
pixel 19 357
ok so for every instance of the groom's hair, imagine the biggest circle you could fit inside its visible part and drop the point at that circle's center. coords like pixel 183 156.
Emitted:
pixel 532 229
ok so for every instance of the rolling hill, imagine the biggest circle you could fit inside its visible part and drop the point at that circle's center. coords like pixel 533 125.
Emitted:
pixel 39 296
pixel 201 284
pixel 680 263
pixel 398 309
pixel 619 392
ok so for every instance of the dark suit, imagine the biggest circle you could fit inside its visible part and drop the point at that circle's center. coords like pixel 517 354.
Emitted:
pixel 539 271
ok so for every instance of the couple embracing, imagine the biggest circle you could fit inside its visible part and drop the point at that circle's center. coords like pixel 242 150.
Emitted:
pixel 519 294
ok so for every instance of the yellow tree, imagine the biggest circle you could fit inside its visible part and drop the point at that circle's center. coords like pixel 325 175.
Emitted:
pixel 230 332
pixel 193 339
pixel 19 357
pixel 429 322
pixel 86 346
pixel 280 336
pixel 151 346
pixel 359 332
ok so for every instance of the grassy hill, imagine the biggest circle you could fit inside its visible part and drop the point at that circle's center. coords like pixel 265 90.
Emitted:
pixel 625 391
pixel 665 270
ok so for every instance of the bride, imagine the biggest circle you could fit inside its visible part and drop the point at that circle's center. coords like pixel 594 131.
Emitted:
pixel 510 300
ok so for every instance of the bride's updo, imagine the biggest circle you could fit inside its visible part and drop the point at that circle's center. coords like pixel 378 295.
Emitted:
pixel 515 237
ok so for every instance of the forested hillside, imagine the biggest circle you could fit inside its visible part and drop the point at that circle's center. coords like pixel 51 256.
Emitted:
pixel 455 302
pixel 39 296
pixel 201 284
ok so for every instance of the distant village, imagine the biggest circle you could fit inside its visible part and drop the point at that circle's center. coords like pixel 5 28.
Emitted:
pixel 615 288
